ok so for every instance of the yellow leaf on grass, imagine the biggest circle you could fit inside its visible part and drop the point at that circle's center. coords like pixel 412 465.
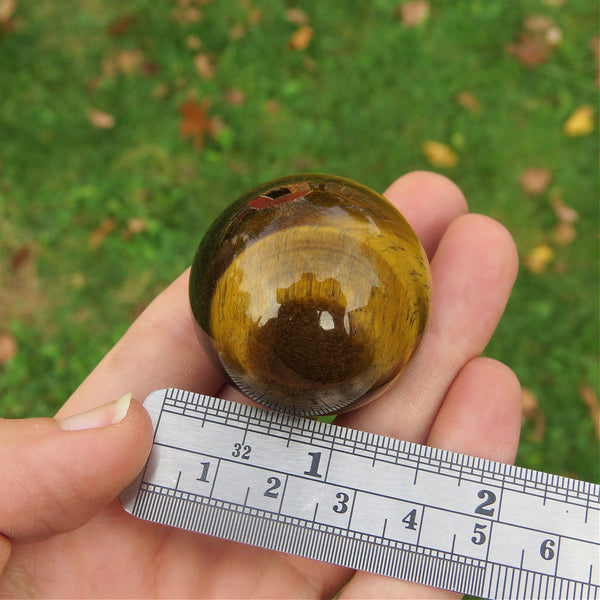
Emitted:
pixel 539 258
pixel 581 122
pixel 439 155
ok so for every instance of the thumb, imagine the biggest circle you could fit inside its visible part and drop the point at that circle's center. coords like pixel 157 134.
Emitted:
pixel 57 474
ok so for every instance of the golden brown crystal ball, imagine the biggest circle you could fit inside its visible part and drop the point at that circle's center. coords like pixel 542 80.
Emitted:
pixel 312 293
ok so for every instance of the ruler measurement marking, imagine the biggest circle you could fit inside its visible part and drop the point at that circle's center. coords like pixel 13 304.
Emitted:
pixel 364 550
pixel 370 492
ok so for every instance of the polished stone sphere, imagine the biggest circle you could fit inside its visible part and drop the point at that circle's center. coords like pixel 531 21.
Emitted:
pixel 311 292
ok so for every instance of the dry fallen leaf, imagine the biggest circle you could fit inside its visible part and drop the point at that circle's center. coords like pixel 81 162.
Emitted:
pixel 296 16
pixel 7 10
pixel 301 38
pixel 564 234
pixel 581 121
pixel 237 32
pixel 469 101
pixel 235 97
pixel 21 257
pixel 100 119
pixel 439 155
pixel 538 23
pixel 255 16
pixel 99 234
pixel 204 66
pixel 120 26
pixel 564 213
pixel 531 411
pixel 590 399
pixel 195 122
pixel 193 42
pixel 135 225
pixel 544 27
pixel 272 106
pixel 534 181
pixel 530 50
pixel 414 12
pixel 186 14
pixel 161 91
pixel 129 61
pixel 539 258
pixel 8 348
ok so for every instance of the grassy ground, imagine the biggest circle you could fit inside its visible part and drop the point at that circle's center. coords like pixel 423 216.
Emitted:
pixel 94 220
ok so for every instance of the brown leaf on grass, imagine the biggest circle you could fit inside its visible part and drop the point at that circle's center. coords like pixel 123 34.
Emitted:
pixel 272 106
pixel 195 122
pixel 539 258
pixel 564 234
pixel 301 38
pixel 414 12
pixel 235 97
pixel 99 234
pixel 8 348
pixel 530 411
pixel 544 27
pixel 205 67
pixel 7 10
pixel 21 257
pixel 135 226
pixel 439 155
pixel 186 14
pixel 581 121
pixel 120 26
pixel 296 16
pixel 129 61
pixel 193 42
pixel 100 119
pixel 467 100
pixel 538 23
pixel 237 32
pixel 534 181
pixel 564 213
pixel 531 51
pixel 255 16
pixel 590 399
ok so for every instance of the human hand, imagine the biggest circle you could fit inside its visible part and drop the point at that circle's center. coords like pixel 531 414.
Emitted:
pixel 66 532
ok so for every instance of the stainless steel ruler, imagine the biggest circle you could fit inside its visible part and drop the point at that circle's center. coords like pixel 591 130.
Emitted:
pixel 366 501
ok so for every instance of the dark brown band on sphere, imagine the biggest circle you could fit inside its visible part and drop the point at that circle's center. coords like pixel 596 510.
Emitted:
pixel 312 293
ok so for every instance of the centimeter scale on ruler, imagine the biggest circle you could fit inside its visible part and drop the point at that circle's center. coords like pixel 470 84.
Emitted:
pixel 367 502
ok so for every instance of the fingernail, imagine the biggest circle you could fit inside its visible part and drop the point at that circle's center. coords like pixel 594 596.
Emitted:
pixel 110 413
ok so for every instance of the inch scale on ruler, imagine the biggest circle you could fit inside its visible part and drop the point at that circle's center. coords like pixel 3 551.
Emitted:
pixel 367 502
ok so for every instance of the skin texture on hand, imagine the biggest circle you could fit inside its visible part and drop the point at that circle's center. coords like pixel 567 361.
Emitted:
pixel 75 540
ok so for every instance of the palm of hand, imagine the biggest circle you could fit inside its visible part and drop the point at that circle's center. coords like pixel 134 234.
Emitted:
pixel 448 397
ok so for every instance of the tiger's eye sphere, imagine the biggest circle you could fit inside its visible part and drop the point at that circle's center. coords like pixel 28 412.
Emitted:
pixel 311 292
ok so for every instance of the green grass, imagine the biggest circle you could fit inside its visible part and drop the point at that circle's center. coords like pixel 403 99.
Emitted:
pixel 358 102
